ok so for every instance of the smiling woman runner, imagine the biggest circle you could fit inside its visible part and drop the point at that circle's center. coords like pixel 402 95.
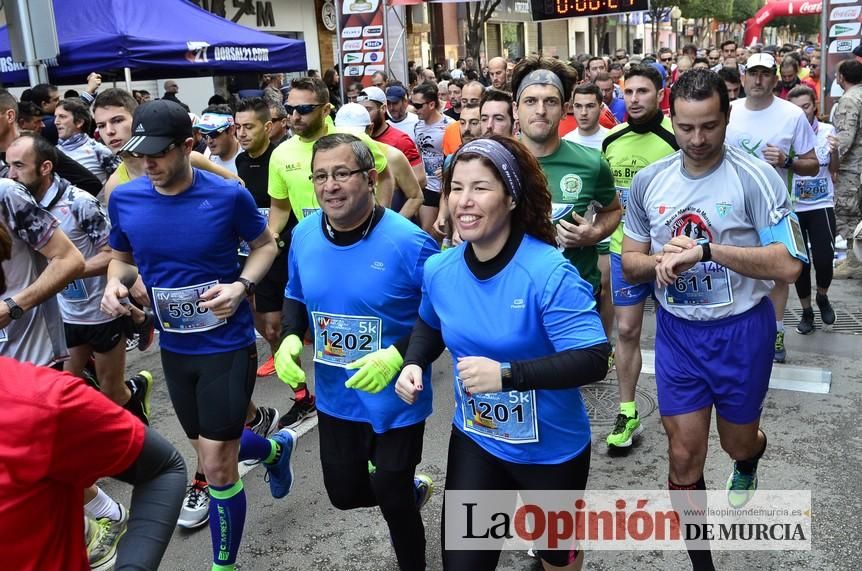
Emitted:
pixel 543 325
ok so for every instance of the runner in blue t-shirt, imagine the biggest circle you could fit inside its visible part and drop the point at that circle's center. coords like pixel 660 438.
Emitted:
pixel 514 313
pixel 355 277
pixel 199 296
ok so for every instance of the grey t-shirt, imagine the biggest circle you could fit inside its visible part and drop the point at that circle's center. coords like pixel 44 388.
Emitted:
pixel 37 337
pixel 728 205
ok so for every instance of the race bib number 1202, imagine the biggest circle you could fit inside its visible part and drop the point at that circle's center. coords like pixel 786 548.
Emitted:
pixel 342 339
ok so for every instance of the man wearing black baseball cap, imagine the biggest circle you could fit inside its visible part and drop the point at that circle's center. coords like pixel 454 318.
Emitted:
pixel 208 349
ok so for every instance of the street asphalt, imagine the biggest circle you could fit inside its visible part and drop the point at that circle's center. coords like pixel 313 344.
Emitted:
pixel 813 445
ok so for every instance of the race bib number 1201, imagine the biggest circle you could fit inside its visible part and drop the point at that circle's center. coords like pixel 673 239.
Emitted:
pixel 505 416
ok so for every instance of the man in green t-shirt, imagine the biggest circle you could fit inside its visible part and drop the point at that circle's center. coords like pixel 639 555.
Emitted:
pixel 647 137
pixel 585 206
pixel 290 186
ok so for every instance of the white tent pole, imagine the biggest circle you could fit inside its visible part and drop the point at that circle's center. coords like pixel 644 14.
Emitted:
pixel 128 74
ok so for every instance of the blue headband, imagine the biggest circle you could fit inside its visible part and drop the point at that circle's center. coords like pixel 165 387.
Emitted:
pixel 502 159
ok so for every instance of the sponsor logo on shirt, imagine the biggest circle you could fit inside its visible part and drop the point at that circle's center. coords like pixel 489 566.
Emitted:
pixel 292 166
pixel 723 208
pixel 205 205
pixel 379 266
pixel 693 223
pixel 518 303
pixel 662 208
pixel 570 186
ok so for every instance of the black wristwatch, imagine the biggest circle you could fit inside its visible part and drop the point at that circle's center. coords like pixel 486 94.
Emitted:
pixel 506 375
pixel 249 285
pixel 788 162
pixel 15 311
pixel 707 252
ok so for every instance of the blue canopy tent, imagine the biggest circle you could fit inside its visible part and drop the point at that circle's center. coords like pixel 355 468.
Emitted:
pixel 153 39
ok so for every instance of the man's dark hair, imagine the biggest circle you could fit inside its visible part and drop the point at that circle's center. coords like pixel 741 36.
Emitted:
pixel 648 72
pixel 314 84
pixel 665 51
pixel 41 93
pixel 730 75
pixel 801 90
pixel 568 76
pixel 217 100
pixel 80 112
pixel 258 106
pixel 578 67
pixel 70 93
pixel 221 109
pixel 698 60
pixel 143 92
pixel 428 91
pixel 699 85
pixel 728 43
pixel 614 66
pixel 492 94
pixel 851 71
pixel 276 110
pixel 7 102
pixel 115 97
pixel 589 89
pixel 689 48
pixel 43 150
pixel 603 76
pixel 364 158
pixel 29 110
pixel 458 82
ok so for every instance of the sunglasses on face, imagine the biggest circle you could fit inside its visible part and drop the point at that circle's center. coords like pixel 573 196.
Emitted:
pixel 213 134
pixel 302 109
pixel 160 155
pixel 419 104
pixel 666 59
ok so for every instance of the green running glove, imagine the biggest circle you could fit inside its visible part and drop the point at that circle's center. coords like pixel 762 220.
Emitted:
pixel 287 361
pixel 376 370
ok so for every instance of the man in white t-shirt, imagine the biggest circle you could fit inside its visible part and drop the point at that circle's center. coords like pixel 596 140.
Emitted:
pixel 397 106
pixel 587 107
pixel 429 138
pixel 218 129
pixel 777 132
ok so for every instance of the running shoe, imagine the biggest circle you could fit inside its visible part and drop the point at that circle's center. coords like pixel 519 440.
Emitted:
pixel 196 506
pixel 424 488
pixel 806 324
pixel 264 427
pixel 300 410
pixel 827 314
pixel 102 548
pixel 625 429
pixel 280 473
pixel 612 358
pixel 146 331
pixel 142 385
pixel 131 343
pixel 267 369
pixel 740 487
pixel 780 351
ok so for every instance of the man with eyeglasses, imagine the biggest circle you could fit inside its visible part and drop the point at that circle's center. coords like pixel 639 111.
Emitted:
pixel 429 138
pixel 217 128
pixel 278 132
pixel 208 349
pixel 369 254
pixel 291 188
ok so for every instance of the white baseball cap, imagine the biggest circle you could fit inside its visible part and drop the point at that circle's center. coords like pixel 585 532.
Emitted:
pixel 372 93
pixel 352 116
pixel 760 60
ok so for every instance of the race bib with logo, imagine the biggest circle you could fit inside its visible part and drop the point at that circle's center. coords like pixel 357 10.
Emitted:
pixel 505 416
pixel 306 212
pixel 179 309
pixel 342 339
pixel 75 291
pixel 706 284
pixel 811 189
pixel 244 248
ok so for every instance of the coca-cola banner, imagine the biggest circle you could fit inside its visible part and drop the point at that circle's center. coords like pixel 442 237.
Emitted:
pixel 361 43
pixel 843 20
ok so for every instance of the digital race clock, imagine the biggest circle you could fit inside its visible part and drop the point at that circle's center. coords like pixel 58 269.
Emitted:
pixel 556 9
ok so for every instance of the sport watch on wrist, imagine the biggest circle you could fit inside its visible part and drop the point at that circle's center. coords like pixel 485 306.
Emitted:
pixel 506 375
pixel 707 252
pixel 15 311
pixel 788 162
pixel 248 284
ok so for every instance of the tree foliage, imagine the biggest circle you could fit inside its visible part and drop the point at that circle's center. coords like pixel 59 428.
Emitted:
pixel 477 14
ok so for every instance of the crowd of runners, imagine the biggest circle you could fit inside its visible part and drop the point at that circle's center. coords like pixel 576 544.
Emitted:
pixel 517 214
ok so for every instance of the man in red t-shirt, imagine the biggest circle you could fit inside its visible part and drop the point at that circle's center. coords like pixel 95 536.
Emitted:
pixel 57 437
pixel 374 101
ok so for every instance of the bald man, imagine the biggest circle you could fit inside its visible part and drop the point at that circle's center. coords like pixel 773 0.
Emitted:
pixel 497 73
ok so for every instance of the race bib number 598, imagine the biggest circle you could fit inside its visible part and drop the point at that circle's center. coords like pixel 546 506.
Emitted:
pixel 179 309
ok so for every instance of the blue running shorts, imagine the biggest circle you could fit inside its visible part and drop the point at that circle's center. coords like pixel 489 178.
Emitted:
pixel 622 291
pixel 726 362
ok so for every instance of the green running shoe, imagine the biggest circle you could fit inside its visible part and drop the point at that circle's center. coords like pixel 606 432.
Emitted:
pixel 102 549
pixel 625 429
pixel 780 351
pixel 424 488
pixel 740 487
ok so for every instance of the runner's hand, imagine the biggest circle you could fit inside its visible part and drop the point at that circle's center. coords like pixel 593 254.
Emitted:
pixel 774 156
pixel 480 374
pixel 577 235
pixel 94 81
pixel 223 299
pixel 376 370
pixel 679 244
pixel 409 384
pixel 287 361
pixel 670 266
pixel 139 292
pixel 114 292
